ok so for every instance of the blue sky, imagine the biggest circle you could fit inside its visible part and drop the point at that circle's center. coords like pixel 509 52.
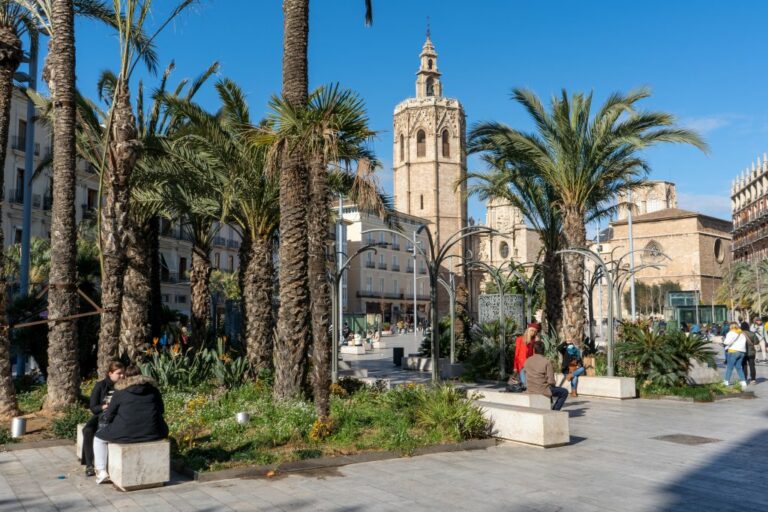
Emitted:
pixel 703 60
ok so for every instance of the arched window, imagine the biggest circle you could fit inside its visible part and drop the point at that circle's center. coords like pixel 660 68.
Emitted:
pixel 430 86
pixel 421 143
pixel 429 64
pixel 652 252
pixel 446 144
pixel 402 147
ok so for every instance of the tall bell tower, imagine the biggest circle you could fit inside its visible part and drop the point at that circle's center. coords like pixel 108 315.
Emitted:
pixel 429 154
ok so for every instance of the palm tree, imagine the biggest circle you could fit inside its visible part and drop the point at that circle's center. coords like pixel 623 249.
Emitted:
pixel 533 198
pixel 122 149
pixel 587 160
pixel 293 317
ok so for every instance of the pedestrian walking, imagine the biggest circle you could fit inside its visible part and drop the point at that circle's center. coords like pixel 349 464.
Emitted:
pixel 541 377
pixel 749 355
pixel 735 345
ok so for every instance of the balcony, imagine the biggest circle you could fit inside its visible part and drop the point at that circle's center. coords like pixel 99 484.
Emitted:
pixel 395 246
pixel 16 196
pixel 380 295
pixel 370 264
pixel 233 244
pixel 423 270
pixel 47 202
pixel 409 269
pixel 19 143
pixel 382 266
pixel 169 277
pixel 395 268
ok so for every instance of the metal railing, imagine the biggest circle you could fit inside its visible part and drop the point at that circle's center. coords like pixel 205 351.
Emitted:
pixel 395 268
pixel 370 264
pixel 382 266
pixel 16 196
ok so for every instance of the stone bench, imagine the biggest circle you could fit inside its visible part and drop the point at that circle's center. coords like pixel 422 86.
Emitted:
pixel 518 399
pixel 139 465
pixel 353 349
pixel 621 388
pixel 538 427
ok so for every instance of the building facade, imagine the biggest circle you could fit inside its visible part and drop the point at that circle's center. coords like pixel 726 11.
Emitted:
pixel 175 245
pixel 691 249
pixel 429 154
pixel 749 211
pixel 652 197
pixel 380 286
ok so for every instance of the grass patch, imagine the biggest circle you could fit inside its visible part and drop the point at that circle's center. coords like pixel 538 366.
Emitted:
pixel 5 436
pixel 700 393
pixel 30 396
pixel 207 437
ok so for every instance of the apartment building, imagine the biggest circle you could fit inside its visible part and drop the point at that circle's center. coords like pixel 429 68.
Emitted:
pixel 175 245
pixel 380 286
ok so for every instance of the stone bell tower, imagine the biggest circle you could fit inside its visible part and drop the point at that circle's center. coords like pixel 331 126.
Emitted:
pixel 429 154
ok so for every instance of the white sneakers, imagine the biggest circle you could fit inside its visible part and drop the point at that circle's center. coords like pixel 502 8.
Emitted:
pixel 743 385
pixel 102 477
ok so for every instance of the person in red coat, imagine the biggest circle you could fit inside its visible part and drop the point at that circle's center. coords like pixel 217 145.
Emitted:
pixel 524 349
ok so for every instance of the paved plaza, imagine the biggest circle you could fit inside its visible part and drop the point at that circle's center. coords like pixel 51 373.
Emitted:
pixel 636 455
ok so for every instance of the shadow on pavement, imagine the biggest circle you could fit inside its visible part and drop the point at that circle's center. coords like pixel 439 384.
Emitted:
pixel 732 480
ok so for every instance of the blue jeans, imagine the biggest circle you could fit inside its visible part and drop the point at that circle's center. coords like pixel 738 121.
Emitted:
pixel 734 360
pixel 522 377
pixel 558 395
pixel 575 379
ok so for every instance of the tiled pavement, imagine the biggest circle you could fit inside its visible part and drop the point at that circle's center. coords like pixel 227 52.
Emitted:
pixel 613 464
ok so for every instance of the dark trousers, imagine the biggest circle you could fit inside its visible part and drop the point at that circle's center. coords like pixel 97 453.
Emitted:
pixel 88 432
pixel 749 361
pixel 559 395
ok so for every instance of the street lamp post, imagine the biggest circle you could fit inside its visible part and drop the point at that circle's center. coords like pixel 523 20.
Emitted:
pixel 335 280
pixel 450 287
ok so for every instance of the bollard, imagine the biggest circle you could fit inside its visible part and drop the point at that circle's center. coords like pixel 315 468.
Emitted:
pixel 243 418
pixel 18 427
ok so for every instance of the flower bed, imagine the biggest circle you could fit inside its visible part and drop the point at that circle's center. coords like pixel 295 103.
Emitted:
pixel 701 393
pixel 208 438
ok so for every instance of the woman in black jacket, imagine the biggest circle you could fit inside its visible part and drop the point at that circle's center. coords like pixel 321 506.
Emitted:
pixel 100 396
pixel 135 415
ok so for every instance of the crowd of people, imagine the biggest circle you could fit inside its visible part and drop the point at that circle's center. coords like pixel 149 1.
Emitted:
pixel 127 408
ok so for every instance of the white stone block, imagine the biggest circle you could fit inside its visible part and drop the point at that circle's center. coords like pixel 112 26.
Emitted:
pixel 139 465
pixel 380 344
pixel 79 442
pixel 538 427
pixel 602 387
pixel 354 372
pixel 702 374
pixel 517 399
pixel 353 349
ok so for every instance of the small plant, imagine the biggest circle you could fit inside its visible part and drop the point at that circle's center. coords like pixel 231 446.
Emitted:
pixel 5 436
pixel 321 429
pixel 65 427
pixel 338 390
pixel 351 385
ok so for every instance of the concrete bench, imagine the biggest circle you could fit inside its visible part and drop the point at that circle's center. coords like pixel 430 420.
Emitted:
pixel 518 399
pixel 139 465
pixel 353 349
pixel 538 427
pixel 603 387
pixel 357 373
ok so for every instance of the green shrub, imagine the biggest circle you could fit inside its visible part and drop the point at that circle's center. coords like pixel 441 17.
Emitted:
pixel 65 426
pixel 659 358
pixel 447 412
pixel 5 436
pixel 483 361
pixel 30 397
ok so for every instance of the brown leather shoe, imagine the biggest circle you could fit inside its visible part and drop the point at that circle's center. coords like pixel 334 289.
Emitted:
pixel 573 393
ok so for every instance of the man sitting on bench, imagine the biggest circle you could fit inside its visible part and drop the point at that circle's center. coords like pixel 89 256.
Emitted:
pixel 540 377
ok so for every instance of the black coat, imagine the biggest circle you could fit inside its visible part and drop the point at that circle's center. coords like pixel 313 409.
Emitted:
pixel 100 391
pixel 135 414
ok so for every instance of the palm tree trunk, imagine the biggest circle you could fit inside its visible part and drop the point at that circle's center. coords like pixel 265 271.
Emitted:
pixel 199 284
pixel 10 57
pixel 156 297
pixel 575 236
pixel 63 362
pixel 553 292
pixel 293 318
pixel 124 150
pixel 257 304
pixel 317 231
pixel 136 304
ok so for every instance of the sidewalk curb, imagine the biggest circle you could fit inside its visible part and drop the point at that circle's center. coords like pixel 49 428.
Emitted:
pixel 299 466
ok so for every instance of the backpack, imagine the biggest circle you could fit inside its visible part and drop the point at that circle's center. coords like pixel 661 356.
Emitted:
pixel 752 340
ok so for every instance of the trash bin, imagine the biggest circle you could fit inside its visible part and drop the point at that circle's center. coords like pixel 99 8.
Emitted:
pixel 397 355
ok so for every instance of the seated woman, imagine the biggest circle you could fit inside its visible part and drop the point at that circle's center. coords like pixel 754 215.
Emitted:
pixel 134 415
pixel 100 397
pixel 572 364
